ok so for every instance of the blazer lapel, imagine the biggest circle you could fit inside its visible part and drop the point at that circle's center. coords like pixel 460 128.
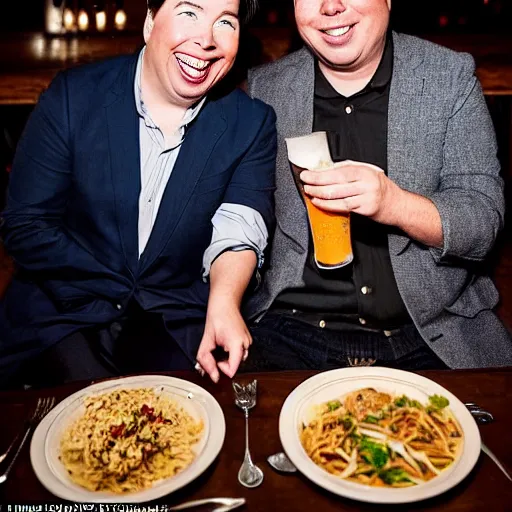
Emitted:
pixel 298 121
pixel 404 114
pixel 195 152
pixel 123 139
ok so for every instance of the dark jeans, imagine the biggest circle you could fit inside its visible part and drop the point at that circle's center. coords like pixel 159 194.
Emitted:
pixel 284 343
pixel 137 344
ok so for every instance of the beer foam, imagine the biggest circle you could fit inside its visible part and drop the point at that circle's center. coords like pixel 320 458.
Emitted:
pixel 309 151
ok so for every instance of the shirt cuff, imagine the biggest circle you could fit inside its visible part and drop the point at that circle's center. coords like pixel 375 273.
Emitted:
pixel 235 228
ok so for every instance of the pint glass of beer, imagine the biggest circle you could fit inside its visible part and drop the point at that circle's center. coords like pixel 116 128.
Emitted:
pixel 330 231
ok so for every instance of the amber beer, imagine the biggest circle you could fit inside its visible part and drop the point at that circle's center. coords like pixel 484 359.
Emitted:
pixel 330 231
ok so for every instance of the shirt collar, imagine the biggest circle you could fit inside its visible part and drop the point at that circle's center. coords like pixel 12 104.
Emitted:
pixel 143 112
pixel 380 79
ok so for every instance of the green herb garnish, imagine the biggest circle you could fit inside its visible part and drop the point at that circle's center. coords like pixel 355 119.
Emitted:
pixel 401 401
pixel 394 475
pixel 374 453
pixel 332 406
pixel 437 402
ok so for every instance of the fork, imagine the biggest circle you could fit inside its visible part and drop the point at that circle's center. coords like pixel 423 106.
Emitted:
pixel 249 475
pixel 17 436
pixel 482 416
pixel 43 407
pixel 226 504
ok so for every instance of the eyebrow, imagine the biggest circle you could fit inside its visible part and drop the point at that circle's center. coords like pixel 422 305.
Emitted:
pixel 192 4
pixel 229 13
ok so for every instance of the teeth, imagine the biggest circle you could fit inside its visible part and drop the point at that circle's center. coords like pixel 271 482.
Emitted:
pixel 192 62
pixel 337 31
pixel 196 73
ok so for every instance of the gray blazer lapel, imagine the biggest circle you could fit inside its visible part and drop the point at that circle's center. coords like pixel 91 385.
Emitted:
pixel 404 118
pixel 295 119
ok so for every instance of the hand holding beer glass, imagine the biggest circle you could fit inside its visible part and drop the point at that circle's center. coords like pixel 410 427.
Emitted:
pixel 330 231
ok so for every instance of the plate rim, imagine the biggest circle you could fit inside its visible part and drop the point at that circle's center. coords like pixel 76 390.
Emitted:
pixel 55 486
pixel 291 442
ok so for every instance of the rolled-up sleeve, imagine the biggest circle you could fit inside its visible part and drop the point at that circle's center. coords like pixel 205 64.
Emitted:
pixel 235 228
pixel 470 197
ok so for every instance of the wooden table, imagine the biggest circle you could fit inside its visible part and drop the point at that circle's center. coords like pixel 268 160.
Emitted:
pixel 29 61
pixel 484 489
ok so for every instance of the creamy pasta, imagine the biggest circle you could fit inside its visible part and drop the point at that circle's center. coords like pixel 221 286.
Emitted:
pixel 127 440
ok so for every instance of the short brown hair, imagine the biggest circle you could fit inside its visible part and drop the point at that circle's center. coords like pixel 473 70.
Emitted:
pixel 248 8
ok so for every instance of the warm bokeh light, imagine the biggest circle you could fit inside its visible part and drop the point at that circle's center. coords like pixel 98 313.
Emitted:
pixel 120 19
pixel 83 20
pixel 69 19
pixel 39 46
pixel 101 21
pixel 443 20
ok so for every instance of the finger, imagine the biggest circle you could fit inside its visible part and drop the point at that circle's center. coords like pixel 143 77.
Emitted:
pixel 230 366
pixel 334 191
pixel 331 177
pixel 335 205
pixel 199 369
pixel 357 165
pixel 206 360
pixel 246 354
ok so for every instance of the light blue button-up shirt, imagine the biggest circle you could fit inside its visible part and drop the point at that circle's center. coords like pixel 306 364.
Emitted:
pixel 235 226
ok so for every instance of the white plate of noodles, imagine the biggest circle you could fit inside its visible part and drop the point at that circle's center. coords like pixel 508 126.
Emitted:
pixel 379 435
pixel 128 440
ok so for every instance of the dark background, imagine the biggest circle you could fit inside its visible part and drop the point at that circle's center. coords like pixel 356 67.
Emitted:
pixel 411 16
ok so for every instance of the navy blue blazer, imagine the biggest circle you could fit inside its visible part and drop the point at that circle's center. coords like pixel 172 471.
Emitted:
pixel 71 221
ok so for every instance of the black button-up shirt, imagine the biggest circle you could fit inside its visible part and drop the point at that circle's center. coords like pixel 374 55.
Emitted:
pixel 365 292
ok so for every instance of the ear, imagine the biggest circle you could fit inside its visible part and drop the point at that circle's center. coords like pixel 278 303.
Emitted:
pixel 148 26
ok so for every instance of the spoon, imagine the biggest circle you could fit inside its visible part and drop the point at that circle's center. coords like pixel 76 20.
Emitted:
pixel 249 475
pixel 281 462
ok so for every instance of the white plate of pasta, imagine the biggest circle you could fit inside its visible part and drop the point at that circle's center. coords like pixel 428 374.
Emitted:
pixel 128 440
pixel 379 435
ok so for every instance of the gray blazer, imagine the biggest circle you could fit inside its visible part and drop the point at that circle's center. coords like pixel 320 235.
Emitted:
pixel 441 144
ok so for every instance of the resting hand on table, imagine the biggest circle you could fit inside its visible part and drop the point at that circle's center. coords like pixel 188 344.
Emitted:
pixel 224 328
pixel 353 187
pixel 365 189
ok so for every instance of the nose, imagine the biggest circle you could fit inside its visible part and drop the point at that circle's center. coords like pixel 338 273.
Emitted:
pixel 333 7
pixel 205 39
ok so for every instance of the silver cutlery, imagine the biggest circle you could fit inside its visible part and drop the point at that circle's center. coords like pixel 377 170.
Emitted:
pixel 280 462
pixel 496 461
pixel 226 504
pixel 249 475
pixel 482 416
pixel 43 407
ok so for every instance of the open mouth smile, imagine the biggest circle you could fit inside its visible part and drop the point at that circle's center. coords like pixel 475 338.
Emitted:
pixel 194 69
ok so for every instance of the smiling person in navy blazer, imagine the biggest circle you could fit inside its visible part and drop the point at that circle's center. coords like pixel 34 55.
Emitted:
pixel 139 207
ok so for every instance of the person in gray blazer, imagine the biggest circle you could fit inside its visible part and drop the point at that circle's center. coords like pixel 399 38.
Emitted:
pixel 416 295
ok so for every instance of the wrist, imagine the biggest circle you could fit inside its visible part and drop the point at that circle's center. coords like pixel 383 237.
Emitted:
pixel 396 206
pixel 220 302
